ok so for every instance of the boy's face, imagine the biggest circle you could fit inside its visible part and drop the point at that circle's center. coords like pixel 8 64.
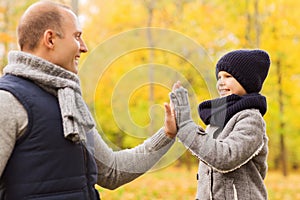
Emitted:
pixel 228 85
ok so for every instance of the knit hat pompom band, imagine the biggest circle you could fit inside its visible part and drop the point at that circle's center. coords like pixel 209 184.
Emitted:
pixel 249 67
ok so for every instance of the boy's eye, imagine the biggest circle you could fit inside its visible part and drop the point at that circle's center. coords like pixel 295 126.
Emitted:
pixel 225 76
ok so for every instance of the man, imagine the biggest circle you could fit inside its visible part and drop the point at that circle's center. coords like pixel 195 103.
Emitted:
pixel 49 147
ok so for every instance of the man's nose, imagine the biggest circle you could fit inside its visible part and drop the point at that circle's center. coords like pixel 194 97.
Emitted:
pixel 83 47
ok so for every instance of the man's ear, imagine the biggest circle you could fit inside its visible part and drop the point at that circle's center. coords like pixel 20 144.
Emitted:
pixel 49 38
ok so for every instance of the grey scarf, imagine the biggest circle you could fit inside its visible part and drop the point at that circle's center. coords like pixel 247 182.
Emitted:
pixel 77 119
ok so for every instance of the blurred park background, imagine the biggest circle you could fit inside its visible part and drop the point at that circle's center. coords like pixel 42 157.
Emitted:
pixel 126 86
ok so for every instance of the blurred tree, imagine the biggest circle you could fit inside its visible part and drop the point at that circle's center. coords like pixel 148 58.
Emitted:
pixel 248 24
pixel 282 40
pixel 10 13
pixel 74 4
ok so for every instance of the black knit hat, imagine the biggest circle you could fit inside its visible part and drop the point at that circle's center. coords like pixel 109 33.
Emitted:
pixel 249 67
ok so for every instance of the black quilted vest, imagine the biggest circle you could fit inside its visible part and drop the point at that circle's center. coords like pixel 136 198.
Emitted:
pixel 44 165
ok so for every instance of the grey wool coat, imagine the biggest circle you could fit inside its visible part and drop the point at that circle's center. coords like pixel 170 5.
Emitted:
pixel 233 162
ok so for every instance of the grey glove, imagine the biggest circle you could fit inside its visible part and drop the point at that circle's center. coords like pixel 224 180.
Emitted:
pixel 180 101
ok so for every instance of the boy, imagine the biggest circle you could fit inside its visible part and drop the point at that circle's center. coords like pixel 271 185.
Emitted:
pixel 233 149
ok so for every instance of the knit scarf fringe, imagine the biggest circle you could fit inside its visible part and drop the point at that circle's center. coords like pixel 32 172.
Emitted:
pixel 65 85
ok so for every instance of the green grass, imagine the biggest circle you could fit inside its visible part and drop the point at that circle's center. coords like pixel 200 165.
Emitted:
pixel 178 183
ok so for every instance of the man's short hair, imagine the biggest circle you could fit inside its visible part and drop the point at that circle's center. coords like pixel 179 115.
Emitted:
pixel 36 20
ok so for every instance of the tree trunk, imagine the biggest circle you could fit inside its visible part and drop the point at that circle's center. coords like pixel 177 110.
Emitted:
pixel 5 24
pixel 283 153
pixel 248 25
pixel 253 25
pixel 150 8
pixel 256 24
pixel 75 6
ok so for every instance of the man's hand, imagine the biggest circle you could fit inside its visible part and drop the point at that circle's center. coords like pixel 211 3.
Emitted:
pixel 170 121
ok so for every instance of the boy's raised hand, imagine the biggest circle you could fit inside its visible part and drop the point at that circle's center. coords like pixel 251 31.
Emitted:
pixel 180 105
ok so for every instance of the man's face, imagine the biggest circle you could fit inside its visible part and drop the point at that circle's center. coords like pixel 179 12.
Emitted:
pixel 70 45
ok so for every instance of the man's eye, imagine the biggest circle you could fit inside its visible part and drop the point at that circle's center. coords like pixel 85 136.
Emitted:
pixel 78 36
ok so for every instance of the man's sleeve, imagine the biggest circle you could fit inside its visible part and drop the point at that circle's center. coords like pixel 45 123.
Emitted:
pixel 13 122
pixel 116 168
